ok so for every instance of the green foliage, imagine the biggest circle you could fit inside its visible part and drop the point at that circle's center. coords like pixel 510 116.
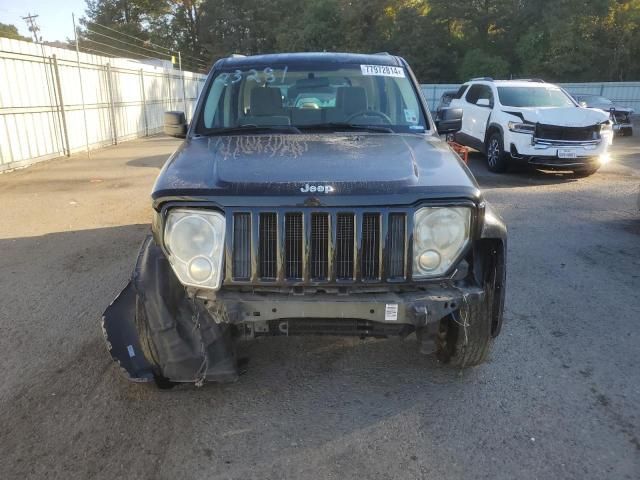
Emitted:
pixel 444 40
pixel 478 63
pixel 10 31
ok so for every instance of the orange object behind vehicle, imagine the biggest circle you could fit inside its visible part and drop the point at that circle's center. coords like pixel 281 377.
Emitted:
pixel 460 150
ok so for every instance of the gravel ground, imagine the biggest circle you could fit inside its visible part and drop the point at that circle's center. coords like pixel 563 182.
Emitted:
pixel 560 397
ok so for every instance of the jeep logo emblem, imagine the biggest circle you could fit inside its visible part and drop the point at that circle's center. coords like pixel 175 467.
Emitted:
pixel 317 188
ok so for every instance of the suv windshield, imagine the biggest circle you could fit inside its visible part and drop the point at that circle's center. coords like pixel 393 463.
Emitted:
pixel 325 96
pixel 534 97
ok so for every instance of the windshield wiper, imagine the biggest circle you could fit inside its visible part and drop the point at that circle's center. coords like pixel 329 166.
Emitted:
pixel 251 129
pixel 342 126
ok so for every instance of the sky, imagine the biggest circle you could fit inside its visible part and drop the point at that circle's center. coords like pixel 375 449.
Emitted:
pixel 54 16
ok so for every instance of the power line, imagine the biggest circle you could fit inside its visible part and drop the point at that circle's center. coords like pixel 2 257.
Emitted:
pixel 102 52
pixel 129 52
pixel 127 43
pixel 146 42
pixel 131 36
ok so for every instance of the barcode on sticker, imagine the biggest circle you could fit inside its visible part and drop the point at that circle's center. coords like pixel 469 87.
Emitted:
pixel 391 311
pixel 382 70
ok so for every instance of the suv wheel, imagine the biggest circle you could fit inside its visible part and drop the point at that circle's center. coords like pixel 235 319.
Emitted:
pixel 496 156
pixel 465 337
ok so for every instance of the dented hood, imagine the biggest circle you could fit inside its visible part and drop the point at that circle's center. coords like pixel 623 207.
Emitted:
pixel 289 164
pixel 561 116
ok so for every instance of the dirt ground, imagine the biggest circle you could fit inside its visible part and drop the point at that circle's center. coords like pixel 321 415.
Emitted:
pixel 560 397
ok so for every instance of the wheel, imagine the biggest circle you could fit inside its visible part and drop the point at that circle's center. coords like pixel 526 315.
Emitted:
pixel 626 132
pixel 585 171
pixel 466 336
pixel 496 156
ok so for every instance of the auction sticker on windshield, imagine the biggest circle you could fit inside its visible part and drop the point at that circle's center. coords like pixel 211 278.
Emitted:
pixel 382 70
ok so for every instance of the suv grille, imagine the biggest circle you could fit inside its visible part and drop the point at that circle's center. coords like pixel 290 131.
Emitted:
pixel 311 247
pixel 572 134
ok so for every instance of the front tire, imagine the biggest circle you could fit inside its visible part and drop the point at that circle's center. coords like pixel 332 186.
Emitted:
pixel 496 156
pixel 465 337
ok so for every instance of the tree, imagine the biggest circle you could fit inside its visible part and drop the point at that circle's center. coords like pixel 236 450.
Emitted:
pixel 10 31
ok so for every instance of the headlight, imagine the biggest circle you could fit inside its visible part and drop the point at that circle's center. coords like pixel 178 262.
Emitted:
pixel 439 236
pixel 521 127
pixel 606 127
pixel 194 240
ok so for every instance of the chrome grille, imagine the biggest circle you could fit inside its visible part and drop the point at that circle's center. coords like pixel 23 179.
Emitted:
pixel 311 246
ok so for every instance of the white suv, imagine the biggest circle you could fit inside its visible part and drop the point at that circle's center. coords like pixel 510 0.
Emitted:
pixel 533 121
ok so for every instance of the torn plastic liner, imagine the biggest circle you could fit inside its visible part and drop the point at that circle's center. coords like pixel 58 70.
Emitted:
pixel 154 330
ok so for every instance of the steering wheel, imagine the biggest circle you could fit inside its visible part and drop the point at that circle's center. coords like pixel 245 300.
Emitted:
pixel 370 113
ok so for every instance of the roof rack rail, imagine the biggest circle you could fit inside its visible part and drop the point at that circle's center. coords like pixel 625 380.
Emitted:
pixel 382 53
pixel 486 79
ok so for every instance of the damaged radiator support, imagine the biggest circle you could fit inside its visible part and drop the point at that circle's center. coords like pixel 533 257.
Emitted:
pixel 324 326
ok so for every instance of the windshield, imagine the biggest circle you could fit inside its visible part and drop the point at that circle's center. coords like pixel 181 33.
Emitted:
pixel 534 97
pixel 325 96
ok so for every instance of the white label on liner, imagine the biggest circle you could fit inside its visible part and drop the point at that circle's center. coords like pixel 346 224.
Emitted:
pixel 382 70
pixel 391 311
pixel 131 352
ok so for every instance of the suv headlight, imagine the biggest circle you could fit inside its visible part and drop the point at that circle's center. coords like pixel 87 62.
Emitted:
pixel 521 127
pixel 606 127
pixel 194 240
pixel 439 236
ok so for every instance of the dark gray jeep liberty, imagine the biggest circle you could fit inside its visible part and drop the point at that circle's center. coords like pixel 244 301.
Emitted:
pixel 312 195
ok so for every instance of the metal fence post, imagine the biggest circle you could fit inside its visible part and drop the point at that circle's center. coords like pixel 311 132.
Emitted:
pixel 144 104
pixel 84 108
pixel 169 87
pixel 184 92
pixel 112 110
pixel 58 89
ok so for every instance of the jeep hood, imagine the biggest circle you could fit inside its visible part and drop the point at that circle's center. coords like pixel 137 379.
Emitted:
pixel 402 167
pixel 561 116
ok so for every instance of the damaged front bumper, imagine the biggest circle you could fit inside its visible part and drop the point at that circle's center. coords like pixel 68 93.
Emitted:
pixel 157 329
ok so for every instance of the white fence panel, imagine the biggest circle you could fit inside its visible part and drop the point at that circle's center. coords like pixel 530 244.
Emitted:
pixel 45 113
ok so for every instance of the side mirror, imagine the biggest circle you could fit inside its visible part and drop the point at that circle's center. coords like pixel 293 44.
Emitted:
pixel 450 120
pixel 583 104
pixel 175 124
pixel 483 102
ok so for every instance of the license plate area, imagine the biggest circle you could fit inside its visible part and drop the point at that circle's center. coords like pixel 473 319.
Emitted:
pixel 566 153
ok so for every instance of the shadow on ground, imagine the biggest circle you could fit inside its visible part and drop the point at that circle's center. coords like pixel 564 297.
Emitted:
pixel 332 387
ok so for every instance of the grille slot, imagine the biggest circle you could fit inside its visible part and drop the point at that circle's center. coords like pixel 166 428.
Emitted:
pixel 319 252
pixel 293 245
pixel 344 246
pixel 396 245
pixel 242 246
pixel 268 244
pixel 370 266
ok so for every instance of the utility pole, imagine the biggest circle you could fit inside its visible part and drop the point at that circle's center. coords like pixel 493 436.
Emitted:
pixel 84 110
pixel 33 27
